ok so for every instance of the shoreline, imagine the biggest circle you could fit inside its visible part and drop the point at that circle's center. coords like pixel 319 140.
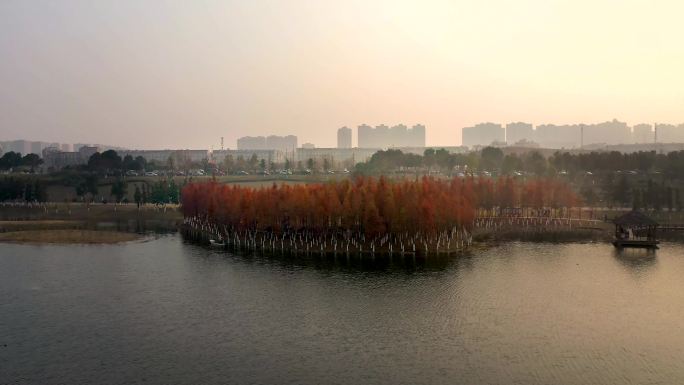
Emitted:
pixel 86 224
pixel 68 237
pixel 127 218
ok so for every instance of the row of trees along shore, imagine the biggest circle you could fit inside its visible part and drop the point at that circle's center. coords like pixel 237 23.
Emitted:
pixel 12 160
pixel 642 180
pixel 530 161
pixel 28 190
pixel 33 189
pixel 366 214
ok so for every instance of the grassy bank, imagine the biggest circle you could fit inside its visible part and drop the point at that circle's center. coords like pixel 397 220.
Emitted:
pixel 68 236
pixel 544 235
pixel 87 224
pixel 60 187
pixel 89 212
pixel 7 226
pixel 541 229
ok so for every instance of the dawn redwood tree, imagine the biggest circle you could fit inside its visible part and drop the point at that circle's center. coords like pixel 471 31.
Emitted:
pixel 373 207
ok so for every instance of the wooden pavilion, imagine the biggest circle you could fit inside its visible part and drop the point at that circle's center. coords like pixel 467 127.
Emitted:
pixel 635 229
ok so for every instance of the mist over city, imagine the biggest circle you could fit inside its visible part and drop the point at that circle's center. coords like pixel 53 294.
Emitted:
pixel 181 75
pixel 341 192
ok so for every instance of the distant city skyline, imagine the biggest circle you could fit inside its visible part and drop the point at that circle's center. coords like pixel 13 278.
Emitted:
pixel 182 74
pixel 400 136
pixel 575 135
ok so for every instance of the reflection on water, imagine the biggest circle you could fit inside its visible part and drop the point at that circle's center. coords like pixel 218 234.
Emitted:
pixel 168 312
pixel 147 226
pixel 343 262
pixel 636 259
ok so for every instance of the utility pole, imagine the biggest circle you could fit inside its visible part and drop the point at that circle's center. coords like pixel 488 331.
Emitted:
pixel 221 143
pixel 581 136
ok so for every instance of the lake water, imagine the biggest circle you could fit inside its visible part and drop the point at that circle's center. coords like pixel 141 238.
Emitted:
pixel 167 312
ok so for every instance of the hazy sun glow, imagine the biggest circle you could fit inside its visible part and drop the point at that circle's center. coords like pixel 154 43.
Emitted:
pixel 182 74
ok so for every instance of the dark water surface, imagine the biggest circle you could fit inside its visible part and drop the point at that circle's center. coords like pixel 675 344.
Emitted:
pixel 166 312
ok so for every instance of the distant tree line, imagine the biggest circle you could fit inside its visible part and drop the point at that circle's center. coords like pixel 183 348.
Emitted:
pixel 87 187
pixel 109 162
pixel 489 159
pixel 639 194
pixel 494 159
pixel 29 190
pixel 253 164
pixel 643 180
pixel 13 160
pixel 671 164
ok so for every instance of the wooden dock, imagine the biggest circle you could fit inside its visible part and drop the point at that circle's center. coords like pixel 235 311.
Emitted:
pixel 636 243
pixel 671 227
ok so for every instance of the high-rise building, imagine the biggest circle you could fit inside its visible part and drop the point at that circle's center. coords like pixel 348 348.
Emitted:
pixel 37 148
pixel 87 151
pixel 282 143
pixel 483 134
pixel 612 132
pixel 417 136
pixel 20 146
pixel 397 136
pixel 344 137
pixel 669 133
pixel 680 133
pixel 365 136
pixel 519 132
pixel 76 146
pixel 251 143
pixel 380 135
pixel 271 142
pixel 554 136
pixel 642 133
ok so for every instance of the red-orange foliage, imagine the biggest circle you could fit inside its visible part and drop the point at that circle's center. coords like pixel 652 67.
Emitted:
pixel 367 205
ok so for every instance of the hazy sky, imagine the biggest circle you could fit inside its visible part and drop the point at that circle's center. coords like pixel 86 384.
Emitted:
pixel 150 74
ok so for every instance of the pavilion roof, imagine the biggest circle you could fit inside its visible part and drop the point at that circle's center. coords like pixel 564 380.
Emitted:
pixel 634 218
